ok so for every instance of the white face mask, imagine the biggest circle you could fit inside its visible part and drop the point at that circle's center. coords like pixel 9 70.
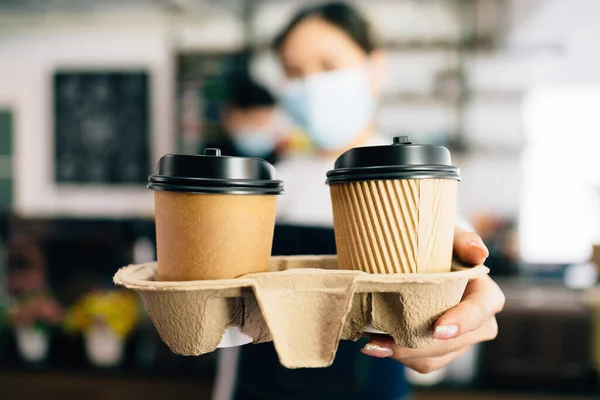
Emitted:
pixel 254 143
pixel 333 107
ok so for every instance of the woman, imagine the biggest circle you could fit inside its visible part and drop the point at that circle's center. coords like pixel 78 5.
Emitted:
pixel 334 71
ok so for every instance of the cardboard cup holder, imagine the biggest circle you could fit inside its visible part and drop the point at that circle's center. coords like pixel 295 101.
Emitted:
pixel 304 304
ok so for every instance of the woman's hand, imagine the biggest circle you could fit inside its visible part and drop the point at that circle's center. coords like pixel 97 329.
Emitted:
pixel 472 321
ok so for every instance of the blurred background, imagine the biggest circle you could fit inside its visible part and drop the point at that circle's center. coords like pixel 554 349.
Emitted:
pixel 92 93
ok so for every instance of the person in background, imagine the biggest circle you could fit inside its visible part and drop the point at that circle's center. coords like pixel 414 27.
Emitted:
pixel 334 70
pixel 250 122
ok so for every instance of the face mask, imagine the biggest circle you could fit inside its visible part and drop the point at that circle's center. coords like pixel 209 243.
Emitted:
pixel 333 107
pixel 254 143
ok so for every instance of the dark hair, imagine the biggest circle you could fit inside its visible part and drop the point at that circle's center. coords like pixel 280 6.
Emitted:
pixel 245 93
pixel 340 14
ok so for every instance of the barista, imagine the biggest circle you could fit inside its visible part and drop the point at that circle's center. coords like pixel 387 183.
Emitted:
pixel 334 70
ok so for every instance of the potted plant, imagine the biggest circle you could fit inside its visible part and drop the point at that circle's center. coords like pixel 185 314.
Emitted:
pixel 32 316
pixel 105 319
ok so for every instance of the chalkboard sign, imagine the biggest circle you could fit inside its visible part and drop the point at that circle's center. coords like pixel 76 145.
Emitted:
pixel 101 127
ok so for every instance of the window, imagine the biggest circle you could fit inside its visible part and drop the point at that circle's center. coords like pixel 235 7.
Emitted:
pixel 560 205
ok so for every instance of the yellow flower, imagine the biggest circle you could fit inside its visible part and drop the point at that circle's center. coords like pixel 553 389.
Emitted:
pixel 119 310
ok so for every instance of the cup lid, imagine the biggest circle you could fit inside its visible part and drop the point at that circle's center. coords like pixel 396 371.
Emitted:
pixel 214 173
pixel 401 160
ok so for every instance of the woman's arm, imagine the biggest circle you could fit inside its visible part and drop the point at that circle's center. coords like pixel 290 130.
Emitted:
pixel 472 321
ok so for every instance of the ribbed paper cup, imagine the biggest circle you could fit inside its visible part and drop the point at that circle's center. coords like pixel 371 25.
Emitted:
pixel 395 226
pixel 394 208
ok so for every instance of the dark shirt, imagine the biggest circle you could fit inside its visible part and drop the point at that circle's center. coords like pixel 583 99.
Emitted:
pixel 352 376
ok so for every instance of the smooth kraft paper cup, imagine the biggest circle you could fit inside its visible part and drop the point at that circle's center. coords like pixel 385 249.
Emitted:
pixel 215 216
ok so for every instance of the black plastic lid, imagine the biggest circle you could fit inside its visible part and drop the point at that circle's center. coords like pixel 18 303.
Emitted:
pixel 401 160
pixel 213 173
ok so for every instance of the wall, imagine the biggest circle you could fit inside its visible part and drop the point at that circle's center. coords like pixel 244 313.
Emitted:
pixel 29 56
pixel 32 59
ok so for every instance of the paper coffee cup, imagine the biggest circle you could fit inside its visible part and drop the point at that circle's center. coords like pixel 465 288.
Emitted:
pixel 394 208
pixel 215 216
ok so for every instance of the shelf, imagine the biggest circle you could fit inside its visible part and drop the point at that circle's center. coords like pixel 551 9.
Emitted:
pixel 481 44
pixel 505 95
pixel 416 97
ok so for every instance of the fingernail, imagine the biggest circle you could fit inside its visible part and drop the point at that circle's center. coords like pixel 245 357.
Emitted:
pixel 481 245
pixel 374 350
pixel 445 331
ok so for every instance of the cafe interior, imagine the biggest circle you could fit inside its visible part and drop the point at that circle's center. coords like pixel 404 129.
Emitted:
pixel 94 93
